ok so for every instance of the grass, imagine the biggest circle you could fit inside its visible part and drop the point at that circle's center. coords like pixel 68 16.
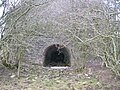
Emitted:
pixel 44 79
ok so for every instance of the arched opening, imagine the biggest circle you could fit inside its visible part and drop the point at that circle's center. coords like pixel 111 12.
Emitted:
pixel 56 55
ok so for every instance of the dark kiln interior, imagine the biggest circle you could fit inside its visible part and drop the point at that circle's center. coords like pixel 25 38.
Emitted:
pixel 56 55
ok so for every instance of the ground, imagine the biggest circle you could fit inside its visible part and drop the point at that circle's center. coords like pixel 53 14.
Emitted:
pixel 94 77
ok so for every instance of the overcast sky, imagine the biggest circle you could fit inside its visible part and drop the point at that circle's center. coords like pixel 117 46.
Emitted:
pixel 1 9
pixel 9 5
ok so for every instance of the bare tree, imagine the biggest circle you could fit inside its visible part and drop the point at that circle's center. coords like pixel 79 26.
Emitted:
pixel 88 25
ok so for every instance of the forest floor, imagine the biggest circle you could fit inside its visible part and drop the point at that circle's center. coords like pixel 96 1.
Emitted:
pixel 94 77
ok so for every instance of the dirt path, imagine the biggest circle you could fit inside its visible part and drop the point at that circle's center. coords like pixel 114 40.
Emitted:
pixel 35 77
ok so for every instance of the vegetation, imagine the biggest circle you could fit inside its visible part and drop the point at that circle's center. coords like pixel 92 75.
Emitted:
pixel 92 27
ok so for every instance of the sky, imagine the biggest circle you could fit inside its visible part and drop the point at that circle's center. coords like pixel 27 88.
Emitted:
pixel 10 2
pixel 1 9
